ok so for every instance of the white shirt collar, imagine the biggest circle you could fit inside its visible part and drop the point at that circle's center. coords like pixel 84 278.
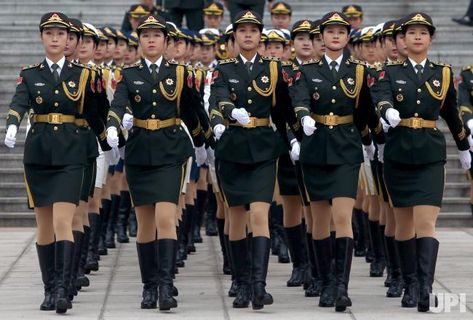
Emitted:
pixel 158 63
pixel 339 60
pixel 245 60
pixel 422 63
pixel 60 63
pixel 299 61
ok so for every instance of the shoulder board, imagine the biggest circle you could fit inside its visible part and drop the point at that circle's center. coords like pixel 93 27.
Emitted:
pixel 378 66
pixel 353 60
pixel 470 67
pixel 296 68
pixel 225 61
pixel 172 61
pixel 270 58
pixel 133 65
pixel 31 66
pixel 394 63
pixel 287 63
pixel 311 61
pixel 80 65
pixel 441 64
pixel 190 67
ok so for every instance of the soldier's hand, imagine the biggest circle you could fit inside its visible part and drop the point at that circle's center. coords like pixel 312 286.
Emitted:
pixel 393 117
pixel 308 124
pixel 295 150
pixel 114 156
pixel 241 115
pixel 370 151
pixel 210 156
pixel 127 121
pixel 381 153
pixel 385 125
pixel 470 141
pixel 10 136
pixel 465 159
pixel 200 155
pixel 219 129
pixel 112 137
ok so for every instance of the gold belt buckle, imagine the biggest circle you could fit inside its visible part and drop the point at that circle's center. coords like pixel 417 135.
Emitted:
pixel 251 124
pixel 330 120
pixel 54 118
pixel 416 123
pixel 152 125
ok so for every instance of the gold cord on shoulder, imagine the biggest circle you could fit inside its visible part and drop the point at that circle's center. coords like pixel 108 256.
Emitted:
pixel 355 93
pixel 273 72
pixel 178 91
pixel 445 84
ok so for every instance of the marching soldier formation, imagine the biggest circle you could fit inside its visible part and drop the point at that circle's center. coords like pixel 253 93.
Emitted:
pixel 314 141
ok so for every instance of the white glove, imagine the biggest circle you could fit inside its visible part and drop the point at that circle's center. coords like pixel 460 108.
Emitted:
pixel 113 156
pixel 200 155
pixel 393 117
pixel 465 159
pixel 470 141
pixel 219 129
pixel 295 150
pixel 469 124
pixel 370 150
pixel 308 124
pixel 10 136
pixel 112 137
pixel 210 156
pixel 127 121
pixel 385 125
pixel 381 153
pixel 241 115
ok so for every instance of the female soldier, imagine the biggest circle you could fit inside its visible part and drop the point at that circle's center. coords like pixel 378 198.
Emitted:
pixel 55 154
pixel 333 93
pixel 156 152
pixel 412 96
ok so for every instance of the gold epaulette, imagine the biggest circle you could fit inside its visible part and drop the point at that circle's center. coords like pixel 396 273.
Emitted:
pixel 80 65
pixel 378 66
pixel 311 61
pixel 470 67
pixel 172 61
pixel 270 58
pixel 31 66
pixel 231 60
pixel 437 63
pixel 394 63
pixel 132 65
pixel 353 60
pixel 287 63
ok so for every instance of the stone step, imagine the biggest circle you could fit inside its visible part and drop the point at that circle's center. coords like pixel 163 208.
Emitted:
pixel 12 175
pixel 455 219
pixel 13 204
pixel 11 160
pixel 457 189
pixel 23 219
pixel 455 204
pixel 12 189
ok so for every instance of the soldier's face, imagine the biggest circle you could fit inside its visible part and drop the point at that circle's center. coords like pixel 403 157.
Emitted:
pixel 390 49
pixel 110 48
pixel 120 50
pixel 335 37
pixel 197 53
pixel 212 21
pixel 208 54
pixel 131 55
pixel 303 45
pixel 170 52
pixel 180 49
pixel 318 45
pixel 418 39
pixel 86 50
pixel 248 36
pixel 275 49
pixel 281 21
pixel 72 45
pixel 100 51
pixel 401 45
pixel 368 52
pixel 232 48
pixel 355 22
pixel 152 42
pixel 54 40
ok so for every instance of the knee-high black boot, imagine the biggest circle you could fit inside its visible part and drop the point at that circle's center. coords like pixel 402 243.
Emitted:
pixel 82 280
pixel 360 247
pixel 369 257
pixel 104 217
pixel 343 258
pixel 211 226
pixel 63 260
pixel 260 253
pixel 148 261
pixel 323 258
pixel 241 267
pixel 427 250
pixel 378 264
pixel 315 286
pixel 192 217
pixel 166 252
pixel 123 216
pixel 233 288
pixel 396 284
pixel 295 243
pixel 46 254
pixel 78 242
pixel 112 222
pixel 133 226
pixel 407 253
pixel 179 257
pixel 92 263
pixel 221 237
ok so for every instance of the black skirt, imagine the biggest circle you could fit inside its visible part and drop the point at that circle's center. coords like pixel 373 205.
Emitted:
pixel 287 178
pixel 46 185
pixel 153 184
pixel 331 181
pixel 242 184
pixel 88 183
pixel 413 185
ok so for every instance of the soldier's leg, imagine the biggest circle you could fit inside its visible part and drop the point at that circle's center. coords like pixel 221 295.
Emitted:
pixel 115 186
pixel 192 215
pixel 378 264
pixel 396 284
pixel 123 211
pixel 359 225
pixel 314 288
pixel 78 235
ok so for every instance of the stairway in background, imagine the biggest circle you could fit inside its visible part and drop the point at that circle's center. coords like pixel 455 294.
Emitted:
pixel 20 45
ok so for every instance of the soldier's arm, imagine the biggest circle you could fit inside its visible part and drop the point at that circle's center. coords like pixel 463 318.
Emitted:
pixel 464 97
pixel 189 113
pixel 20 103
pixel 219 90
pixel 449 113
pixel 216 117
pixel 384 94
pixel 300 94
pixel 204 120
pixel 119 104
pixel 285 104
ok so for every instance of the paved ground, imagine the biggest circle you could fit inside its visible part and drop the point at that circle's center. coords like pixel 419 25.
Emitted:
pixel 115 290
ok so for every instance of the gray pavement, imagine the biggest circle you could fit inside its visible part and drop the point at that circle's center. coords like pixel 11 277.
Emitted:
pixel 115 291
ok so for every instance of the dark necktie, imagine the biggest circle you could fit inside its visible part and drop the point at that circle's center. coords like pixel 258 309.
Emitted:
pixel 419 69
pixel 55 68
pixel 333 66
pixel 248 65
pixel 154 71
